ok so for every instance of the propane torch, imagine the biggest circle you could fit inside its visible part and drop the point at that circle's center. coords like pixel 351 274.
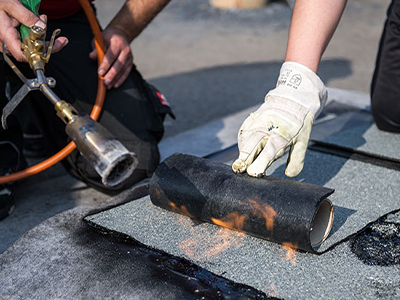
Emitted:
pixel 111 160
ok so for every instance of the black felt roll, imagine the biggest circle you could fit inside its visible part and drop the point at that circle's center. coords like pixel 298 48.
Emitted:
pixel 279 210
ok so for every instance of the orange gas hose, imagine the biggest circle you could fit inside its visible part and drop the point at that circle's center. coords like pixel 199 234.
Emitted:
pixel 101 92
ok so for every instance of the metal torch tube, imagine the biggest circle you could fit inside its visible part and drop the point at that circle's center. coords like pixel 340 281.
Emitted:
pixel 278 210
pixel 45 89
pixel 111 160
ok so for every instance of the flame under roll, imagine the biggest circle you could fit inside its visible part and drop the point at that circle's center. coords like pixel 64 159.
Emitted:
pixel 279 210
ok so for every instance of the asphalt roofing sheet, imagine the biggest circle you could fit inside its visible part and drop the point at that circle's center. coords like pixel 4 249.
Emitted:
pixel 361 135
pixel 358 200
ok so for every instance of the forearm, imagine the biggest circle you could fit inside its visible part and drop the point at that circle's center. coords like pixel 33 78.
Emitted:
pixel 312 27
pixel 135 15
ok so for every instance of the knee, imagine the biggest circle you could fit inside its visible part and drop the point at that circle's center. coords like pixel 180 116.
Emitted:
pixel 386 113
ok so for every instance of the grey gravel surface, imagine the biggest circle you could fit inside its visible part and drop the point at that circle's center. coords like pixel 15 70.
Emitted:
pixel 366 138
pixel 337 274
pixel 336 118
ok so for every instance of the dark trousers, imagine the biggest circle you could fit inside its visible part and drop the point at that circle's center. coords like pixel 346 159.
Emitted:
pixel 385 87
pixel 132 113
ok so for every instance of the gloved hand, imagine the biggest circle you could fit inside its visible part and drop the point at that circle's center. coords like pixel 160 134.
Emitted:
pixel 284 120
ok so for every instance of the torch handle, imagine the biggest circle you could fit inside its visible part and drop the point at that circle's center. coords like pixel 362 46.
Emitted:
pixel 32 5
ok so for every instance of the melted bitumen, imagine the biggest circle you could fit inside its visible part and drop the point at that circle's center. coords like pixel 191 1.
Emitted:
pixel 197 282
pixel 378 244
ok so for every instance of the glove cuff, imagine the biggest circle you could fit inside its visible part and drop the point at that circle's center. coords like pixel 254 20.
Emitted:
pixel 301 85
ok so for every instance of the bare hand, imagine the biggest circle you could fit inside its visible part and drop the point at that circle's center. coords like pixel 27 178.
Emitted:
pixel 118 59
pixel 12 15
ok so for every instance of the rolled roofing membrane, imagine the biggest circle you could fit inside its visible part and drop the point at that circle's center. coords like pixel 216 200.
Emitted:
pixel 279 210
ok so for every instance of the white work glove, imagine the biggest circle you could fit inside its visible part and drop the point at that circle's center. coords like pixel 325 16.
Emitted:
pixel 284 120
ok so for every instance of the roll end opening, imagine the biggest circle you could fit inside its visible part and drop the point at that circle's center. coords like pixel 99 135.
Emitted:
pixel 321 224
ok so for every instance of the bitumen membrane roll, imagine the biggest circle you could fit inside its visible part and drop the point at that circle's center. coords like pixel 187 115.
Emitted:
pixel 284 211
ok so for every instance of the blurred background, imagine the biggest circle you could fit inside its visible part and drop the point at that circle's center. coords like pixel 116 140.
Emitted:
pixel 213 62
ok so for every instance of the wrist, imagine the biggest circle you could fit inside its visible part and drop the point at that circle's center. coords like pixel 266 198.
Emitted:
pixel 299 84
pixel 120 31
pixel 298 57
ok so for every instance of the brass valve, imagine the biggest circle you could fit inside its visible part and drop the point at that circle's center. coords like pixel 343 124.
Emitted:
pixel 34 47
pixel 65 111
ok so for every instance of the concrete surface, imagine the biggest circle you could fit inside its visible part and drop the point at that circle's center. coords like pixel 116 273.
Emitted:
pixel 210 64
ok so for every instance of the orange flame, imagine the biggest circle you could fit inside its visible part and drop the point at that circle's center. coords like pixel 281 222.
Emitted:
pixel 199 247
pixel 217 249
pixel 214 244
pixel 189 247
pixel 290 252
pixel 202 245
pixel 180 209
pixel 272 291
pixel 158 193
pixel 263 210
pixel 233 220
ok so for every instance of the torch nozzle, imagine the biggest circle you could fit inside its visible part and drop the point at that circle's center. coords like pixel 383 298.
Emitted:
pixel 111 160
